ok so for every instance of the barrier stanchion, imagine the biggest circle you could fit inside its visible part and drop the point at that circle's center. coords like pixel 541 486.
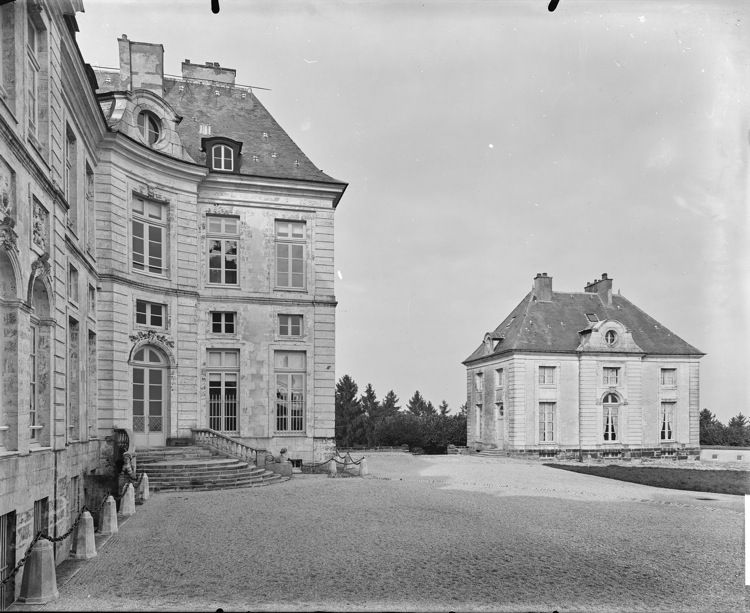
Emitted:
pixel 108 517
pixel 127 504
pixel 85 544
pixel 39 583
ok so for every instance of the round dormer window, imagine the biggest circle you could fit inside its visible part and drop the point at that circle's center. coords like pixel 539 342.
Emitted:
pixel 149 126
pixel 610 337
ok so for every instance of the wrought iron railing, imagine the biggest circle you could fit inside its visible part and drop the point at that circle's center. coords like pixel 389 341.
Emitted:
pixel 226 444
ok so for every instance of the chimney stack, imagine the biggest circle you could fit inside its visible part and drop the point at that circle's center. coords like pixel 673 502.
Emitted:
pixel 141 66
pixel 603 287
pixel 211 71
pixel 543 287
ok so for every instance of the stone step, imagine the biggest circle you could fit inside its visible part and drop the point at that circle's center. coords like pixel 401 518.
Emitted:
pixel 204 474
pixel 195 463
pixel 209 487
pixel 184 481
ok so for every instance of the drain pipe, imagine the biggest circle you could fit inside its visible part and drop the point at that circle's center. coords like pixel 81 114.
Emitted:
pixel 580 447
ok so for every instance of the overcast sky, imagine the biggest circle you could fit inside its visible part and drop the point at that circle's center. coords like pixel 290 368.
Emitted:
pixel 484 142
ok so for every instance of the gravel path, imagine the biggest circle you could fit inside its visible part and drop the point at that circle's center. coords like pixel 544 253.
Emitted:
pixel 424 533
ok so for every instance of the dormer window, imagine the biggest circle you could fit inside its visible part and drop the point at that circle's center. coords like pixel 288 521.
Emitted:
pixel 223 158
pixel 610 337
pixel 149 127
pixel 222 154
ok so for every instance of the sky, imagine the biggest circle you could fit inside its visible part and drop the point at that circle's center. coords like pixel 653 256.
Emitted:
pixel 485 142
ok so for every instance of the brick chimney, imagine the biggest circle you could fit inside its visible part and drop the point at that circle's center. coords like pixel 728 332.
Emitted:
pixel 603 287
pixel 141 66
pixel 210 72
pixel 543 287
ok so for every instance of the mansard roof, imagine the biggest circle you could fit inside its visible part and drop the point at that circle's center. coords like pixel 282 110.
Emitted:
pixel 232 111
pixel 554 326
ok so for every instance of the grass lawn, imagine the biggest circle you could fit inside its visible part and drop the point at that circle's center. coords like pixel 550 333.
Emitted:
pixel 714 481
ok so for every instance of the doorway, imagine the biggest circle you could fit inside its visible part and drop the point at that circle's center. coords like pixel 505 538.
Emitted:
pixel 149 398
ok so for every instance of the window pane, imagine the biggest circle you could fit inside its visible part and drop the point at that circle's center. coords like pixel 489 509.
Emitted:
pixel 214 224
pixel 230 226
pixel 214 358
pixel 229 323
pixel 231 359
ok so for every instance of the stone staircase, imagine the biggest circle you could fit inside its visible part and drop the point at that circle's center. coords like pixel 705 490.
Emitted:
pixel 488 453
pixel 199 468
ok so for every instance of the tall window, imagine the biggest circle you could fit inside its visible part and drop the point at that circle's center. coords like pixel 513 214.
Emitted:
pixel 149 126
pixel 478 421
pixel 479 382
pixel 72 283
pixel 32 84
pixel 667 421
pixel 290 325
pixel 290 369
pixel 223 322
pixel 41 516
pixel 546 375
pixel 150 314
pixel 223 238
pixel 33 403
pixel 611 376
pixel 499 377
pixel 7 559
pixel 290 254
pixel 546 422
pixel 71 178
pixel 223 376
pixel 74 380
pixel 668 377
pixel 611 406
pixel 223 158
pixel 149 379
pixel 149 229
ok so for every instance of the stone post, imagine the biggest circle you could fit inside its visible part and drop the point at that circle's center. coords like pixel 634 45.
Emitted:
pixel 260 458
pixel 332 468
pixel 145 493
pixel 85 545
pixel 363 467
pixel 127 504
pixel 39 583
pixel 108 522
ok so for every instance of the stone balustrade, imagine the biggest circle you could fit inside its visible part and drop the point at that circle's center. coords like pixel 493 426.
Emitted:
pixel 226 444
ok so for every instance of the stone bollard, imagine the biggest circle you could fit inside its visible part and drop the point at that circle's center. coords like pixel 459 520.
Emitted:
pixel 145 494
pixel 332 468
pixel 127 504
pixel 108 521
pixel 363 467
pixel 39 583
pixel 85 545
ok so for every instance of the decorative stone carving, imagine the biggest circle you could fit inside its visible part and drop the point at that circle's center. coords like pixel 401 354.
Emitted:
pixel 150 336
pixel 39 226
pixel 8 235
pixel 40 267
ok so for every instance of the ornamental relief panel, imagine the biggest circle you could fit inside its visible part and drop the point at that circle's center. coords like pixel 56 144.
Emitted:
pixel 39 226
pixel 150 336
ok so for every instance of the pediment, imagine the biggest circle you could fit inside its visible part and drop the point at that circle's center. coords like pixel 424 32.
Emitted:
pixel 606 336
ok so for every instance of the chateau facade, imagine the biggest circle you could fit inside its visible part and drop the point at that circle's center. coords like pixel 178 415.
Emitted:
pixel 583 374
pixel 166 264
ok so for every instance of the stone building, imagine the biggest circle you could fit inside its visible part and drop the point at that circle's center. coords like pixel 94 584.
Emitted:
pixel 578 374
pixel 166 264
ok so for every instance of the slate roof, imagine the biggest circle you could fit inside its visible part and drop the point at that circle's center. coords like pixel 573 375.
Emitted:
pixel 554 326
pixel 231 115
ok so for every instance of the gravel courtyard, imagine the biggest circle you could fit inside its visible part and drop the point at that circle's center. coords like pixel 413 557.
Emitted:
pixel 424 533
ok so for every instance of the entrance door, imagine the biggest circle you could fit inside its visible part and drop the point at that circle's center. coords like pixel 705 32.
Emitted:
pixel 500 425
pixel 149 405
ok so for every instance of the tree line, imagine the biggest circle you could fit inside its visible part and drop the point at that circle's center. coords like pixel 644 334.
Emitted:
pixel 363 420
pixel 735 434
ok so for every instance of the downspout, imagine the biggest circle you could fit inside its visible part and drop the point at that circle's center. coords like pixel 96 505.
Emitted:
pixel 54 528
pixel 580 447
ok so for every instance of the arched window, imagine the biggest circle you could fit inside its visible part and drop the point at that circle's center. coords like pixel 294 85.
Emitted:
pixel 223 158
pixel 149 396
pixel 611 406
pixel 610 337
pixel 149 127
